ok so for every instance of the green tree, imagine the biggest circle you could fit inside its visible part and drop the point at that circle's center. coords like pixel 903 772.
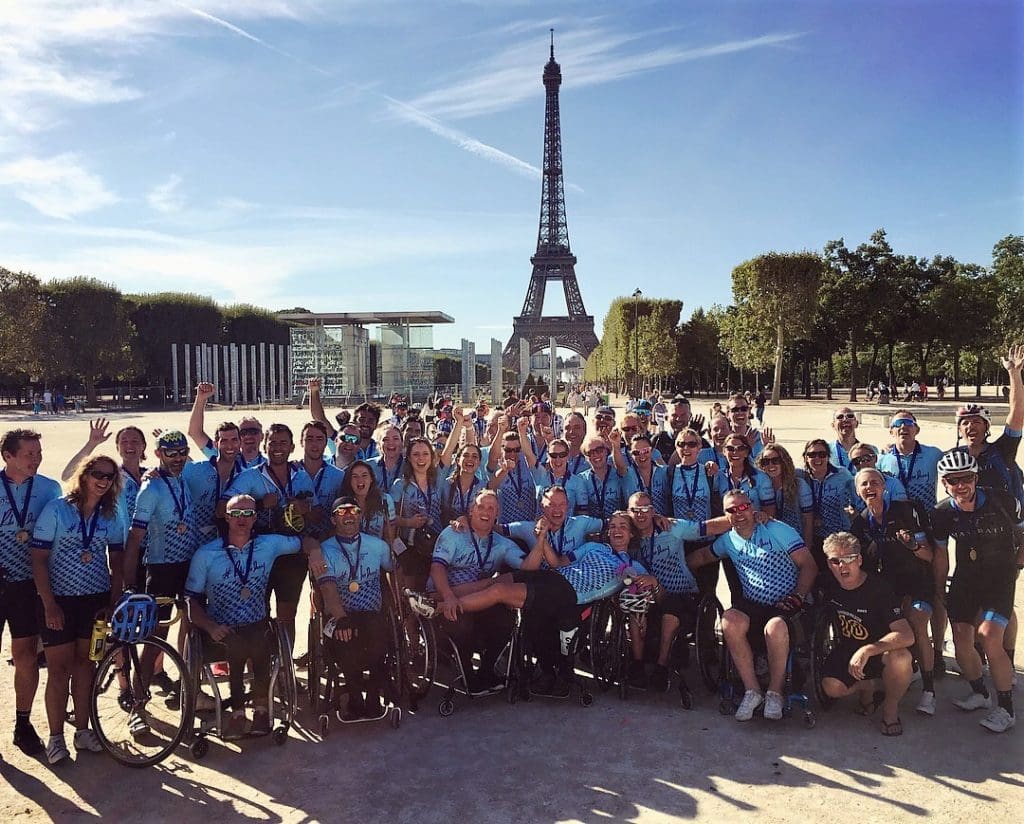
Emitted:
pixel 89 331
pixel 962 304
pixel 166 318
pixel 245 323
pixel 1008 274
pixel 22 314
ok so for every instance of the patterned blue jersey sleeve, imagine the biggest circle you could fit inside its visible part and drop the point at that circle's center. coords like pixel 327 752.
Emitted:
pixel 689 530
pixel 764 489
pixel 806 498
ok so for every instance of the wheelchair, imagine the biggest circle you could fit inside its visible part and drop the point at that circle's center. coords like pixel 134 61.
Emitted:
pixel 800 672
pixel 282 698
pixel 326 681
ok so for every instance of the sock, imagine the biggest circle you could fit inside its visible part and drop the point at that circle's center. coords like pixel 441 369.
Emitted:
pixel 928 680
pixel 978 685
pixel 1005 699
pixel 21 719
pixel 59 737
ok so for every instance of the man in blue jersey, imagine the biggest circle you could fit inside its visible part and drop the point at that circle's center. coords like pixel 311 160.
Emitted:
pixel 565 533
pixel 597 490
pixel 325 478
pixel 776 572
pixel 226 592
pixel 165 519
pixel 250 431
pixel 206 480
pixel 466 556
pixel 26 493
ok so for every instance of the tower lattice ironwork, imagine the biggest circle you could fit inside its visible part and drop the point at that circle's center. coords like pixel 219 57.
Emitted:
pixel 554 259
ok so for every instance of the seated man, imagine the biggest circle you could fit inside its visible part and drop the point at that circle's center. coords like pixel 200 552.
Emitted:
pixel 349 581
pixel 874 637
pixel 565 533
pixel 551 599
pixel 776 571
pixel 675 605
pixel 231 575
pixel 466 556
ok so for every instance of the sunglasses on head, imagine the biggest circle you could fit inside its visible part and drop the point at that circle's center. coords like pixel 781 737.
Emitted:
pixel 241 513
pixel 100 475
pixel 739 409
pixel 688 444
pixel 347 509
pixel 732 510
pixel 641 510
pixel 771 461
pixel 349 437
pixel 176 453
pixel 557 455
pixel 249 431
pixel 846 416
pixel 843 560
pixel 814 455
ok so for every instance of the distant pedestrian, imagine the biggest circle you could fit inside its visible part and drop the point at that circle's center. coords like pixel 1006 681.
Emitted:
pixel 759 404
pixel 48 402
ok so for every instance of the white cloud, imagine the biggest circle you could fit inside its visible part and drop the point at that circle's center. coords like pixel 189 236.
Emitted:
pixel 591 56
pixel 56 186
pixel 165 197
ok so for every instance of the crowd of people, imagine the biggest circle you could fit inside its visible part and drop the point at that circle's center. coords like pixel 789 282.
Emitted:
pixel 483 512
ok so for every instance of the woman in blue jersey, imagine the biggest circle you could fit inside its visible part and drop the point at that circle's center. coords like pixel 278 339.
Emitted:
pixel 793 505
pixel 76 563
pixel 833 497
pixel 741 475
pixel 387 467
pixel 417 495
pixel 641 474
pixel 462 483
pixel 557 471
pixel 376 507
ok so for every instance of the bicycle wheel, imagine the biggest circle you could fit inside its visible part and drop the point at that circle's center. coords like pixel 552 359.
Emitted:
pixel 710 643
pixel 286 687
pixel 168 719
pixel 823 639
pixel 602 643
pixel 313 670
pixel 419 656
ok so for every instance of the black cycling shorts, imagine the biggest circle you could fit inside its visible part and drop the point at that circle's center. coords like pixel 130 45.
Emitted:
pixel 683 605
pixel 286 578
pixel 985 592
pixel 167 581
pixel 18 608
pixel 837 666
pixel 759 615
pixel 79 616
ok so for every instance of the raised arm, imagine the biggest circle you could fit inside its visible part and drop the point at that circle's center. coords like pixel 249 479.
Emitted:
pixel 450 445
pixel 1013 363
pixel 196 428
pixel 316 407
pixel 97 435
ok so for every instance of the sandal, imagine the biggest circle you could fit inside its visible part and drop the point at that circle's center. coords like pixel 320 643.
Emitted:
pixel 866 710
pixel 892 728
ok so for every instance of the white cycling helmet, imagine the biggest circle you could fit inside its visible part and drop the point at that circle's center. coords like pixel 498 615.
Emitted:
pixel 955 461
pixel 635 602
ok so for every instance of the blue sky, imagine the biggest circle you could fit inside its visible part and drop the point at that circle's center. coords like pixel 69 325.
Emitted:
pixel 350 155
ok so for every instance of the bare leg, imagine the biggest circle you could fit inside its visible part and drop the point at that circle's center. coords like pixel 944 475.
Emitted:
pixel 669 629
pixel 776 636
pixel 966 655
pixel 896 679
pixel 992 636
pixel 81 683
pixel 26 671
pixel 60 660
pixel 509 594
pixel 918 620
pixel 734 627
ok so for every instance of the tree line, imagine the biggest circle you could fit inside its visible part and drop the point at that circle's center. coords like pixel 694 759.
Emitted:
pixel 82 331
pixel 841 316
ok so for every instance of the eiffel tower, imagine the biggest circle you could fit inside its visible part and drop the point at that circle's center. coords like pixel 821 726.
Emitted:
pixel 554 259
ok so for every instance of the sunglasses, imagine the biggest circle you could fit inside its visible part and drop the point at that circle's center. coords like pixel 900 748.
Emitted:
pixel 512 450
pixel 740 409
pixel 960 480
pixel 604 418
pixel 641 453
pixel 641 510
pixel 846 416
pixel 347 509
pixel 863 459
pixel 176 453
pixel 814 455
pixel 896 424
pixel 597 450
pixel 629 428
pixel 556 455
pixel 732 510
pixel 241 513
pixel 737 448
pixel 771 461
pixel 688 444
pixel 100 475
pixel 348 437
pixel 248 431
pixel 843 560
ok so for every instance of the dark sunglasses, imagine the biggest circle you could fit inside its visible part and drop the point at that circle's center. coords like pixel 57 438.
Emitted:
pixel 771 461
pixel 597 450
pixel 512 450
pixel 688 444
pixel 863 459
pixel 246 431
pixel 100 475
pixel 732 510
pixel 813 455
pixel 241 513
pixel 734 448
pixel 956 480
pixel 740 409
pixel 557 455
pixel 176 453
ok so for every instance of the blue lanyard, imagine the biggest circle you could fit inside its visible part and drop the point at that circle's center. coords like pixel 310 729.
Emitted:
pixel 482 561
pixel 251 546
pixel 20 517
pixel 179 506
pixel 910 466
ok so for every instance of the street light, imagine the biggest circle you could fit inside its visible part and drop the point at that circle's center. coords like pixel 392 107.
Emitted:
pixel 637 294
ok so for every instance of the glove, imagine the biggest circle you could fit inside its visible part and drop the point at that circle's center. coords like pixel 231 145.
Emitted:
pixel 791 604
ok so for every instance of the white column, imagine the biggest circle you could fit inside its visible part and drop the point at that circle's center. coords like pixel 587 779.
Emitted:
pixel 188 373
pixel 495 373
pixel 174 371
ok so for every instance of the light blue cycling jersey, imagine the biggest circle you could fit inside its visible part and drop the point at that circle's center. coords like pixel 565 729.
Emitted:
pixel 77 548
pixel 596 572
pixel 205 485
pixel 258 481
pixel 791 509
pixel 166 511
pixel 657 489
pixel 709 453
pixel 757 486
pixel 764 561
pixel 325 483
pixel 594 497
pixel 374 524
pixel 454 501
pixel 468 557
pixel 360 560
pixel 386 477
pixel 411 500
pixel 840 456
pixel 369 452
pixel 210 451
pixel 234 579
pixel 662 553
pixel 918 472
pixel 517 495
pixel 565 540
pixel 829 499
pixel 690 492
pixel 544 478
pixel 20 506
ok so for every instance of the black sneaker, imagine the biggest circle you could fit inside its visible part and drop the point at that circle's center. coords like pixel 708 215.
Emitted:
pixel 302 662
pixel 27 739
pixel 660 681
pixel 162 681
pixel 637 678
pixel 549 685
pixel 353 709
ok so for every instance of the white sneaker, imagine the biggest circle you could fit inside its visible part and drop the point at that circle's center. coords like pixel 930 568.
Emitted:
pixel 57 750
pixel 773 706
pixel 926 706
pixel 999 720
pixel 974 701
pixel 752 699
pixel 87 740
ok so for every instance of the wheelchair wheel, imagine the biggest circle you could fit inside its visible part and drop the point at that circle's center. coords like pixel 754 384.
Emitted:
pixel 710 643
pixel 824 638
pixel 621 653
pixel 393 657
pixel 168 721
pixel 419 657
pixel 602 643
pixel 314 672
pixel 285 688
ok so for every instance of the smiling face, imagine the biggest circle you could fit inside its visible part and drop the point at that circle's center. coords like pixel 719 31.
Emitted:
pixel 131 446
pixel 844 422
pixel 770 462
pixel 24 461
pixel 640 449
pixel 251 433
pixel 597 453
pixel 680 417
pixel 314 442
pixel 469 459
pixel 483 514
pixel 739 509
pixel 361 479
pixel 641 513
pixel 738 412
pixel 720 429
pixel 973 429
pixel 348 442
pixel 173 459
pixel 279 448
pixel 98 479
pixel 575 430
pixel 228 443
pixel 420 456
pixel 555 506
pixel 962 487
pixel 870 486
pixel 736 451
pixel 346 520
pixel 620 531
pixel 904 431
pixel 391 442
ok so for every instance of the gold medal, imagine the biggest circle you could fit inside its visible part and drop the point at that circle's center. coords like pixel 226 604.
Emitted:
pixel 245 593
pixel 973 555
pixel 21 536
pixel 353 586
pixel 85 557
pixel 182 528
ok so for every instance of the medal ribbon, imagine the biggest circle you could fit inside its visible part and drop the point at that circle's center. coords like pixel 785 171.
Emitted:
pixel 353 566
pixel 243 579
pixel 910 467
pixel 179 506
pixel 87 535
pixel 482 561
pixel 22 516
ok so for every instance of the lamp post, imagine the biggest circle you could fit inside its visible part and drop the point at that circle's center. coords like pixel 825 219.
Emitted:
pixel 637 294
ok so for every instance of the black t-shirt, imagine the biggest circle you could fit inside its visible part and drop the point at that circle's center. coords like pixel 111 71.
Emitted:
pixel 988 531
pixel 865 613
pixel 893 557
pixel 997 465
pixel 665 443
